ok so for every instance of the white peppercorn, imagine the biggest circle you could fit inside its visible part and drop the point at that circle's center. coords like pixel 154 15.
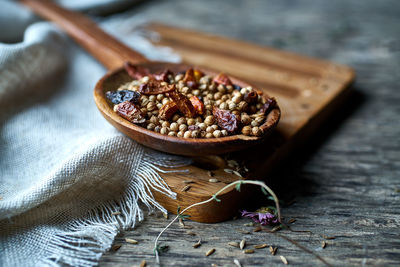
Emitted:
pixel 256 131
pixel 178 77
pixel 175 118
pixel 202 126
pixel 217 133
pixel 181 120
pixel 195 133
pixel 191 121
pixel 187 134
pixel 209 129
pixel 164 130
pixel 171 133
pixel 224 132
pixel 151 126
pixel 209 135
pixel 223 105
pixel 246 130
pixel 183 127
pixel 165 124
pixel 174 127
pixel 157 129
pixel 180 134
pixel 160 97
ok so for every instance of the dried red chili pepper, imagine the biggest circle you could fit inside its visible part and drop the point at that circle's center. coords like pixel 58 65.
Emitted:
pixel 268 106
pixel 222 78
pixel 197 104
pixel 136 72
pixel 130 111
pixel 183 103
pixel 167 110
pixel 190 79
pixel 226 120
pixel 154 87
pixel 251 97
pixel 163 76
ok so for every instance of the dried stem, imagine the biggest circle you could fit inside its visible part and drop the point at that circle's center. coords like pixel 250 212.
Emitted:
pixel 259 183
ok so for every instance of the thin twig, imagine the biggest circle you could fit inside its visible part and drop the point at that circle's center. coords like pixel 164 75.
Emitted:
pixel 259 183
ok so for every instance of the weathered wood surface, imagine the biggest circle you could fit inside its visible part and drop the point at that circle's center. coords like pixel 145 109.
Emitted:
pixel 346 183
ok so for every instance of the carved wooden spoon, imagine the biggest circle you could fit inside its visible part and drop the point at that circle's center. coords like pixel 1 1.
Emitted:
pixel 112 54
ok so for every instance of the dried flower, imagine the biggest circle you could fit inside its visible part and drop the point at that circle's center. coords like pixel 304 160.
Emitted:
pixel 261 218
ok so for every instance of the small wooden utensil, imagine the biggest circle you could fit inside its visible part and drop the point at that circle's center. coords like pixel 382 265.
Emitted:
pixel 112 54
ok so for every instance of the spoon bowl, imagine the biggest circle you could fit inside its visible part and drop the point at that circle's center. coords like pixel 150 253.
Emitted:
pixel 170 144
pixel 112 54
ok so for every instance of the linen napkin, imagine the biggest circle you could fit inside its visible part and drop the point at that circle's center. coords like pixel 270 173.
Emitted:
pixel 69 182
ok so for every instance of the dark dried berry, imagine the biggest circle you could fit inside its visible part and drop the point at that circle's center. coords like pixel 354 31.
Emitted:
pixel 194 128
pixel 130 111
pixel 226 120
pixel 269 105
pixel 136 72
pixel 122 96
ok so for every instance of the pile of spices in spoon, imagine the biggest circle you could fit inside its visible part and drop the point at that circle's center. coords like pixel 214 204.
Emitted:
pixel 190 104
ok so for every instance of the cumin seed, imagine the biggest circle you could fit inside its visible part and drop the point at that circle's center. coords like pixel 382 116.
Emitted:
pixel 115 213
pixel 292 220
pixel 228 171
pixel 237 173
pixel 211 251
pixel 260 246
pixel 116 247
pixel 276 228
pixel 143 263
pixel 249 224
pixel 237 263
pixel 257 229
pixel 181 223
pixel 248 251
pixel 186 188
pixel 165 215
pixel 273 250
pixel 233 244
pixel 198 244
pixel 328 237
pixel 191 233
pixel 284 260
pixel 213 180
pixel 243 231
pixel 131 241
pixel 242 244
pixel 323 244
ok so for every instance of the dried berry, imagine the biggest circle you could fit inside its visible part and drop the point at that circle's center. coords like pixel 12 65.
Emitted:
pixel 222 78
pixel 163 76
pixel 130 111
pixel 197 104
pixel 268 106
pixel 226 120
pixel 122 96
pixel 167 111
pixel 194 128
pixel 190 79
pixel 154 87
pixel 136 72
pixel 183 103
pixel 251 97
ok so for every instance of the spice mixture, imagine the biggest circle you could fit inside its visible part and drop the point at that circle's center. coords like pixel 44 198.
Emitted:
pixel 190 104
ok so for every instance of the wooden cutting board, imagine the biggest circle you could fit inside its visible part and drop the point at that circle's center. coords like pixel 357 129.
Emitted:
pixel 308 90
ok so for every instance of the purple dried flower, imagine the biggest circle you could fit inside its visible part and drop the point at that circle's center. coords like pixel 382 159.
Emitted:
pixel 261 218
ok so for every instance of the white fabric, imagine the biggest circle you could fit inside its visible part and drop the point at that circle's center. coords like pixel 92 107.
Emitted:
pixel 63 169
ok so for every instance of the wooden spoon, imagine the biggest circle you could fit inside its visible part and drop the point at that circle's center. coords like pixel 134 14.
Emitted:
pixel 112 54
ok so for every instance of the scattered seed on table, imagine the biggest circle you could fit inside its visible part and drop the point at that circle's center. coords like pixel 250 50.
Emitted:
pixel 131 241
pixel 292 220
pixel 328 237
pixel 165 215
pixel 243 231
pixel 276 228
pixel 213 180
pixel 210 173
pixel 260 246
pixel 186 188
pixel 116 247
pixel 233 244
pixel 188 182
pixel 191 233
pixel 115 213
pixel 198 244
pixel 242 244
pixel 143 263
pixel 284 260
pixel 237 263
pixel 273 250
pixel 257 229
pixel 211 251
pixel 237 173
pixel 323 244
pixel 248 251
pixel 228 171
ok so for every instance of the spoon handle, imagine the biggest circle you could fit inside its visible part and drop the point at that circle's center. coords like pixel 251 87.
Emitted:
pixel 102 46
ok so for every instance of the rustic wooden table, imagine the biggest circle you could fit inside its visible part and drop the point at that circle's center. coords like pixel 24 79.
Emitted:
pixel 346 182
